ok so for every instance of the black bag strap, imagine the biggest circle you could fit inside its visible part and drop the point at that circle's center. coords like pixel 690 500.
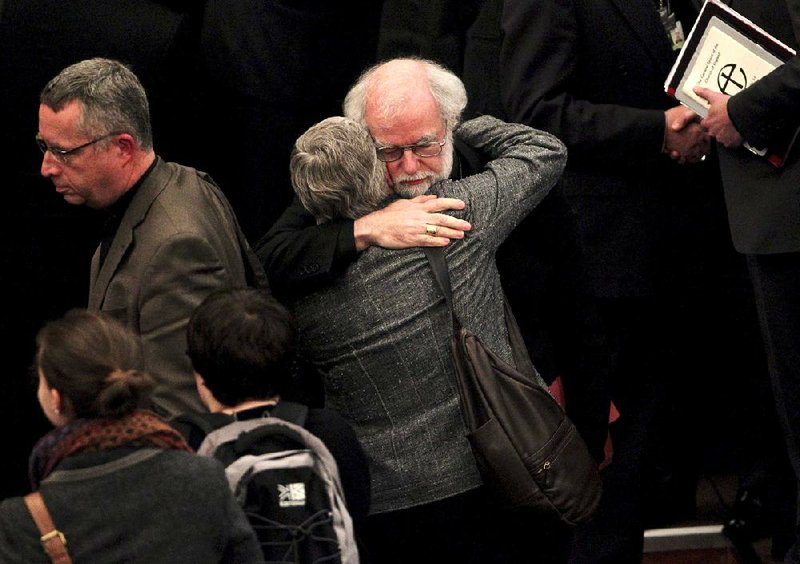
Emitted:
pixel 255 275
pixel 441 274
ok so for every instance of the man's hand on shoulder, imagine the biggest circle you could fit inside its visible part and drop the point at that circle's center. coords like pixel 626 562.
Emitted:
pixel 411 223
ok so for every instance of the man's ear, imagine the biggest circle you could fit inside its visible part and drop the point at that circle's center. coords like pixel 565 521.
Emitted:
pixel 126 144
pixel 205 394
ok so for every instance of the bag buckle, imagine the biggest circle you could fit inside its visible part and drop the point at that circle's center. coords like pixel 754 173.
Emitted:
pixel 55 533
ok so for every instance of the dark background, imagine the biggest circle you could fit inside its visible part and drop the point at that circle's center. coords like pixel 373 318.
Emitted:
pixel 232 84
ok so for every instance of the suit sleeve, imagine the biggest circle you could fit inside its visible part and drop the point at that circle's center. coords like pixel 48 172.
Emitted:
pixel 299 255
pixel 769 109
pixel 540 82
pixel 181 273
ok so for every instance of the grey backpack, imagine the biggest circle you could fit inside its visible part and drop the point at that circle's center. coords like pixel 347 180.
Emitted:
pixel 288 484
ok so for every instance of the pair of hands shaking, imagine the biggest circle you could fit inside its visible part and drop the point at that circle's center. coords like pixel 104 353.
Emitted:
pixel 688 136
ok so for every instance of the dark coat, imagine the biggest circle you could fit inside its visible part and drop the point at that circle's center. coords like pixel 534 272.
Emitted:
pixel 764 202
pixel 141 505
pixel 592 72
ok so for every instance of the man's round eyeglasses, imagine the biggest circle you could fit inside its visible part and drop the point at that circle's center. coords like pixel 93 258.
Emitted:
pixel 389 153
pixel 62 154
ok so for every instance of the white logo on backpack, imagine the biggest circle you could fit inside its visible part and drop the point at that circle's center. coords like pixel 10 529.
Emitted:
pixel 292 495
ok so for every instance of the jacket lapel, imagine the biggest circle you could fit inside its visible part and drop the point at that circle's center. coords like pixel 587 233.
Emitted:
pixel 134 215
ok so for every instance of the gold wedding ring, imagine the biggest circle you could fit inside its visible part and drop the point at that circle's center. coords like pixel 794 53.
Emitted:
pixel 431 229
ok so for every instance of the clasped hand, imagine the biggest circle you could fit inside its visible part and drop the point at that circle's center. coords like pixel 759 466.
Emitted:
pixel 685 140
pixel 405 223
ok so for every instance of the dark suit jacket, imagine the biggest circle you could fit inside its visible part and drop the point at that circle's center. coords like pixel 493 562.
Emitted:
pixel 764 202
pixel 178 242
pixel 272 69
pixel 432 29
pixel 592 72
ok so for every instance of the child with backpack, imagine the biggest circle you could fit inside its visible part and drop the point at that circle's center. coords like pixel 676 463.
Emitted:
pixel 300 473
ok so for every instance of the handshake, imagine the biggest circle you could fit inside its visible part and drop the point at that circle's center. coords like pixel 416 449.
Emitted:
pixel 688 136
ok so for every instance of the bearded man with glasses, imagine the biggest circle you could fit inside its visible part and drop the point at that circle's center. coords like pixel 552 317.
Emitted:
pixel 413 133
pixel 170 237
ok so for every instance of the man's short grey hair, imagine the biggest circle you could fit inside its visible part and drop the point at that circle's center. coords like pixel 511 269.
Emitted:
pixel 335 171
pixel 445 87
pixel 111 97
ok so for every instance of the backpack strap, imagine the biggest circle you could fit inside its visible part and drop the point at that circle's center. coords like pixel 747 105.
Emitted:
pixel 286 412
pixel 193 419
pixel 292 412
pixel 196 426
pixel 53 540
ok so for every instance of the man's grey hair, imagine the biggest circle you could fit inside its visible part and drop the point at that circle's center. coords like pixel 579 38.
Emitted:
pixel 335 171
pixel 445 87
pixel 111 97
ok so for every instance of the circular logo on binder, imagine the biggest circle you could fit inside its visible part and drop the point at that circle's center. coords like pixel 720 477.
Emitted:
pixel 731 79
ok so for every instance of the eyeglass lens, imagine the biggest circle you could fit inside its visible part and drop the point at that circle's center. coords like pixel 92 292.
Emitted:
pixel 429 149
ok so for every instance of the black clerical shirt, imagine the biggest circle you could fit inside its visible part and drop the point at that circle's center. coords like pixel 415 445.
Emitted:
pixel 115 212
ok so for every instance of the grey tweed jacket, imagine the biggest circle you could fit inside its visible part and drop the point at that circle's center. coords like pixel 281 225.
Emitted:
pixel 380 333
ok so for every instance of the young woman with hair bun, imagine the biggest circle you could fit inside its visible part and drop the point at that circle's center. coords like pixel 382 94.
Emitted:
pixel 119 482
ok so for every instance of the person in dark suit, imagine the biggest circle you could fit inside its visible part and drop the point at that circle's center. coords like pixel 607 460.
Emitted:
pixel 592 73
pixel 763 203
pixel 274 68
pixel 432 29
pixel 170 237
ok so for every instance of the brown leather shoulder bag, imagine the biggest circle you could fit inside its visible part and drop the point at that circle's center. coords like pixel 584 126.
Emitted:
pixel 528 451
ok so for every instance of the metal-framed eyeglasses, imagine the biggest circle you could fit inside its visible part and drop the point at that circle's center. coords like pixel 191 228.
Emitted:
pixel 424 149
pixel 61 155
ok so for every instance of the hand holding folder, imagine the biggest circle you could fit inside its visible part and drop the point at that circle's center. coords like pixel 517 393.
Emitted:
pixel 717 121
pixel 725 53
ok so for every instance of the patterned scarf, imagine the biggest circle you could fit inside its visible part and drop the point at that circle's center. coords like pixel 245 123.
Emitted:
pixel 139 429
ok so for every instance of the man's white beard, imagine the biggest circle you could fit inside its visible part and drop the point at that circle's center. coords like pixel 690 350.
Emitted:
pixel 414 190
